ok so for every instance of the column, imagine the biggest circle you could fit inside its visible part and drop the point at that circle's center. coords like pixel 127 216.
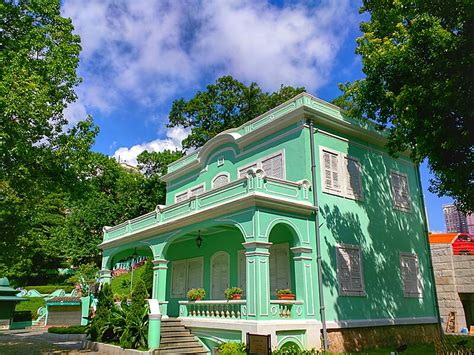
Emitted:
pixel 154 324
pixel 304 277
pixel 258 280
pixel 160 269
pixel 105 276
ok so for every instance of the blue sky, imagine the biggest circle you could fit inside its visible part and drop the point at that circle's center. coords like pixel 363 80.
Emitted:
pixel 139 56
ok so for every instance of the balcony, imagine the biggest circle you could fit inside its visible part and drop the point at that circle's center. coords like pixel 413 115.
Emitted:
pixel 253 189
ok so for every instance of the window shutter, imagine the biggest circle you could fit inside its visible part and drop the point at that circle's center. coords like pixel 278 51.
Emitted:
pixel 194 273
pixel 331 172
pixel 182 197
pixel 220 180
pixel 273 166
pixel 349 270
pixel 242 270
pixel 220 275
pixel 400 191
pixel 178 288
pixel 410 275
pixel 352 176
pixel 279 267
pixel 243 171
pixel 197 191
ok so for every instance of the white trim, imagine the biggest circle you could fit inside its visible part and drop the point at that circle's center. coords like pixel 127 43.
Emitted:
pixel 359 323
pixel 223 173
pixel 215 255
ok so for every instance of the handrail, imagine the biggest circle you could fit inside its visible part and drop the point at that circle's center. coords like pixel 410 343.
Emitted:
pixel 214 302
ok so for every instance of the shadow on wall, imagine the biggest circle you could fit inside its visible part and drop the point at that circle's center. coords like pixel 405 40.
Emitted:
pixel 381 232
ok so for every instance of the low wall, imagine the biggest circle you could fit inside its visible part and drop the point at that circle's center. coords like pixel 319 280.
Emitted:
pixel 356 339
pixel 110 349
pixel 454 274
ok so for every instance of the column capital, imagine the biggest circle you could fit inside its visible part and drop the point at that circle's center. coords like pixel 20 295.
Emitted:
pixel 105 272
pixel 256 244
pixel 160 264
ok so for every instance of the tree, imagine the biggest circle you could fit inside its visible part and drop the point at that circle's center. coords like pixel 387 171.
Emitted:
pixel 103 313
pixel 147 275
pixel 226 104
pixel 418 60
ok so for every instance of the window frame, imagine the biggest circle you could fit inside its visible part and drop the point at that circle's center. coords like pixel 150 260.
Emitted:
pixel 351 293
pixel 224 173
pixel 186 281
pixel 342 172
pixel 392 191
pixel 419 284
pixel 258 164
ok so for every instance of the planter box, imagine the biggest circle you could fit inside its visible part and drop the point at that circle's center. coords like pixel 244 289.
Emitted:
pixel 287 297
pixel 111 349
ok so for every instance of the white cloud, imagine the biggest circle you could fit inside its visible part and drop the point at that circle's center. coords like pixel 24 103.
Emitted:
pixel 174 137
pixel 150 51
pixel 74 113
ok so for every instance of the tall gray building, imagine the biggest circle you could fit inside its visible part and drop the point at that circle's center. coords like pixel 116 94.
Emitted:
pixel 456 221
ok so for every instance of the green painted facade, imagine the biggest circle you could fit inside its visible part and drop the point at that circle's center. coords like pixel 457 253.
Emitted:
pixel 259 228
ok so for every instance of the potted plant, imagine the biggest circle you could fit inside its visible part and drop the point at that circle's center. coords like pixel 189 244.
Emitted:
pixel 196 294
pixel 285 294
pixel 233 293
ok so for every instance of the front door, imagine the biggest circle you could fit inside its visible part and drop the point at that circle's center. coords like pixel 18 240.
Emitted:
pixel 220 275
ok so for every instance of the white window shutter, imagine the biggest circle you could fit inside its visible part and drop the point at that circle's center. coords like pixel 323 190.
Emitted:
pixel 331 171
pixel 243 171
pixel 220 180
pixel 242 270
pixel 197 191
pixel 279 267
pixel 181 197
pixel 220 275
pixel 400 191
pixel 410 275
pixel 178 287
pixel 273 166
pixel 352 175
pixel 349 270
pixel 195 269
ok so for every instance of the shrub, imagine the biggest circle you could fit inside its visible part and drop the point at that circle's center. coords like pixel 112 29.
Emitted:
pixel 102 314
pixel 195 294
pixel 147 275
pixel 230 292
pixel 47 289
pixel 73 329
pixel 231 348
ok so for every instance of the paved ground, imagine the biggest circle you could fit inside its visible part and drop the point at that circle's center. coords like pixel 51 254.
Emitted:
pixel 32 342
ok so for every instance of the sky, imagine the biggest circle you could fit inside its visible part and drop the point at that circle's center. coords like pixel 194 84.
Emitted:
pixel 139 56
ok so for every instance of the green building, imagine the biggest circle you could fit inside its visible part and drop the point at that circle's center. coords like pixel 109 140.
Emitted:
pixel 8 301
pixel 244 210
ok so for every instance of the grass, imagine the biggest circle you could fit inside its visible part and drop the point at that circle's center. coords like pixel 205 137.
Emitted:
pixel 31 305
pixel 121 284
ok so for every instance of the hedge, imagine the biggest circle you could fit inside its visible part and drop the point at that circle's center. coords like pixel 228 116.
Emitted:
pixel 47 289
pixel 31 306
pixel 73 329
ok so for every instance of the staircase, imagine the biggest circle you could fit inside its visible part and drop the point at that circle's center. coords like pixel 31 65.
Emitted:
pixel 177 339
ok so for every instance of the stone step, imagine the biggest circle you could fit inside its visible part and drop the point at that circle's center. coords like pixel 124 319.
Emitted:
pixel 173 329
pixel 181 339
pixel 180 345
pixel 175 334
pixel 197 350
pixel 171 324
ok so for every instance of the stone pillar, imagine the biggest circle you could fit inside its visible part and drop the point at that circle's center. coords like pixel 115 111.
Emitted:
pixel 258 280
pixel 160 270
pixel 105 276
pixel 304 269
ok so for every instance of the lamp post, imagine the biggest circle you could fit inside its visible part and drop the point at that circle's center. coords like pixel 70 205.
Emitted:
pixel 134 256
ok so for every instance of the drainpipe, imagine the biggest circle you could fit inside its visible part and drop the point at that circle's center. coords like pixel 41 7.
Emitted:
pixel 318 237
pixel 428 247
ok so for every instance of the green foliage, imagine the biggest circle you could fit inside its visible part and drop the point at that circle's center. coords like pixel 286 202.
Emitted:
pixel 147 275
pixel 231 291
pixel 47 289
pixel 195 294
pixel 226 104
pixel 284 291
pixel 86 276
pixel 73 329
pixel 32 306
pixel 121 284
pixel 418 62
pixel 232 348
pixel 293 349
pixel 102 315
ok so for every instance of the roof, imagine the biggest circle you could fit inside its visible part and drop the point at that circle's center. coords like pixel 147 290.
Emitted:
pixel 443 238
pixel 58 301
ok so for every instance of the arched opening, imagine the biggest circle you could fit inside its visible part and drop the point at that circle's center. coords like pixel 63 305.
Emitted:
pixel 282 267
pixel 208 258
pixel 126 259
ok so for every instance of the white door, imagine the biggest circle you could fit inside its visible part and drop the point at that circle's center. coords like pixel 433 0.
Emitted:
pixel 195 273
pixel 220 275
pixel 279 267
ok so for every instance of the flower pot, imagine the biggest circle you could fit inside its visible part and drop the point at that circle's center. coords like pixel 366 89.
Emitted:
pixel 237 296
pixel 287 297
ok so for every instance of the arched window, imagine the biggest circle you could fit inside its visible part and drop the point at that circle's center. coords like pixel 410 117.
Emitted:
pixel 220 180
